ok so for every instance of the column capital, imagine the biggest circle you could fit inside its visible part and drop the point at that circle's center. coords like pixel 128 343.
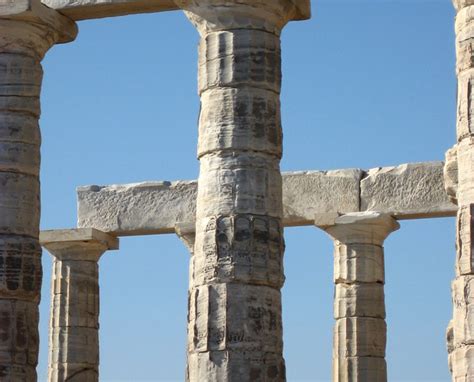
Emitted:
pixel 359 227
pixel 271 16
pixel 82 244
pixel 187 233
pixel 28 24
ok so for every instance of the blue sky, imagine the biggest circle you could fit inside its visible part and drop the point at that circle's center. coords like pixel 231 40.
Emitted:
pixel 366 84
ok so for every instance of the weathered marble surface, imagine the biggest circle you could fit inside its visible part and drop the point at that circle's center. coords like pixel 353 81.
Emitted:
pixel 94 9
pixel 28 30
pixel 459 178
pixel 74 318
pixel 359 304
pixel 406 192
pixel 236 270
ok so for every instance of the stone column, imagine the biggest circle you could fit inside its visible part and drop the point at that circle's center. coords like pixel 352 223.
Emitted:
pixel 235 329
pixel 459 178
pixel 27 30
pixel 74 321
pixel 359 305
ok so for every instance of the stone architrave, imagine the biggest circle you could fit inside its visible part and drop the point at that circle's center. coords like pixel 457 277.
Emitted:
pixel 359 304
pixel 235 324
pixel 459 177
pixel 27 30
pixel 74 321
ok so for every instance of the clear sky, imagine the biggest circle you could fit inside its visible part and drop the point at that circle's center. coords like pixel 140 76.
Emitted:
pixel 366 84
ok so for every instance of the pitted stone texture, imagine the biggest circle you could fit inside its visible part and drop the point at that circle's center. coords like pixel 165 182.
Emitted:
pixel 20 204
pixel 216 15
pixel 359 300
pixel 464 40
pixel 241 57
pixel 465 161
pixel 235 366
pixel 463 313
pixel 27 30
pixel 410 191
pixel 239 184
pixel 235 317
pixel 360 337
pixel 459 4
pixel 137 209
pixel 465 240
pixel 156 207
pixel 19 340
pixel 450 172
pixel 462 361
pixel 20 268
pixel 254 124
pixel 310 193
pixel 240 248
pixel 31 28
pixel 360 369
pixel 238 251
pixel 74 321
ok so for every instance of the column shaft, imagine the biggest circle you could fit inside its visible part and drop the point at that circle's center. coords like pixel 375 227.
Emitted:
pixel 460 184
pixel 235 324
pixel 27 31
pixel 74 320
pixel 359 306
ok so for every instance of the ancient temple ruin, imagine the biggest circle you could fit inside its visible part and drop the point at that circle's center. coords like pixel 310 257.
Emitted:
pixel 232 223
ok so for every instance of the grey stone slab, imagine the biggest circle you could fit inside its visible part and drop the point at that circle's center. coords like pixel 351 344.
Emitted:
pixel 95 9
pixel 310 193
pixel 408 191
pixel 137 209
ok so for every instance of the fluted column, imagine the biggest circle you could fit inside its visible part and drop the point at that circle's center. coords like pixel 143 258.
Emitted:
pixel 74 321
pixel 359 305
pixel 27 30
pixel 459 176
pixel 235 328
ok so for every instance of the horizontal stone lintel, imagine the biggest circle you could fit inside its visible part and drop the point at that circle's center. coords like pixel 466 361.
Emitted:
pixel 96 9
pixel 409 191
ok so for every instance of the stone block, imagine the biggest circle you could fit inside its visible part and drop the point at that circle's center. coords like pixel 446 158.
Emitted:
pixel 463 311
pixel 359 300
pixel 359 369
pixel 94 9
pixel 408 191
pixel 360 337
pixel 20 204
pixel 137 209
pixel 462 361
pixel 234 317
pixel 465 241
pixel 358 263
pixel 74 345
pixel 310 193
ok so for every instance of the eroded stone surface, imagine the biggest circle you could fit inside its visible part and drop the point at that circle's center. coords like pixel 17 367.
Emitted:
pixel 156 207
pixel 28 30
pixel 74 319
pixel 94 9
pixel 236 271
pixel 359 306
pixel 407 191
